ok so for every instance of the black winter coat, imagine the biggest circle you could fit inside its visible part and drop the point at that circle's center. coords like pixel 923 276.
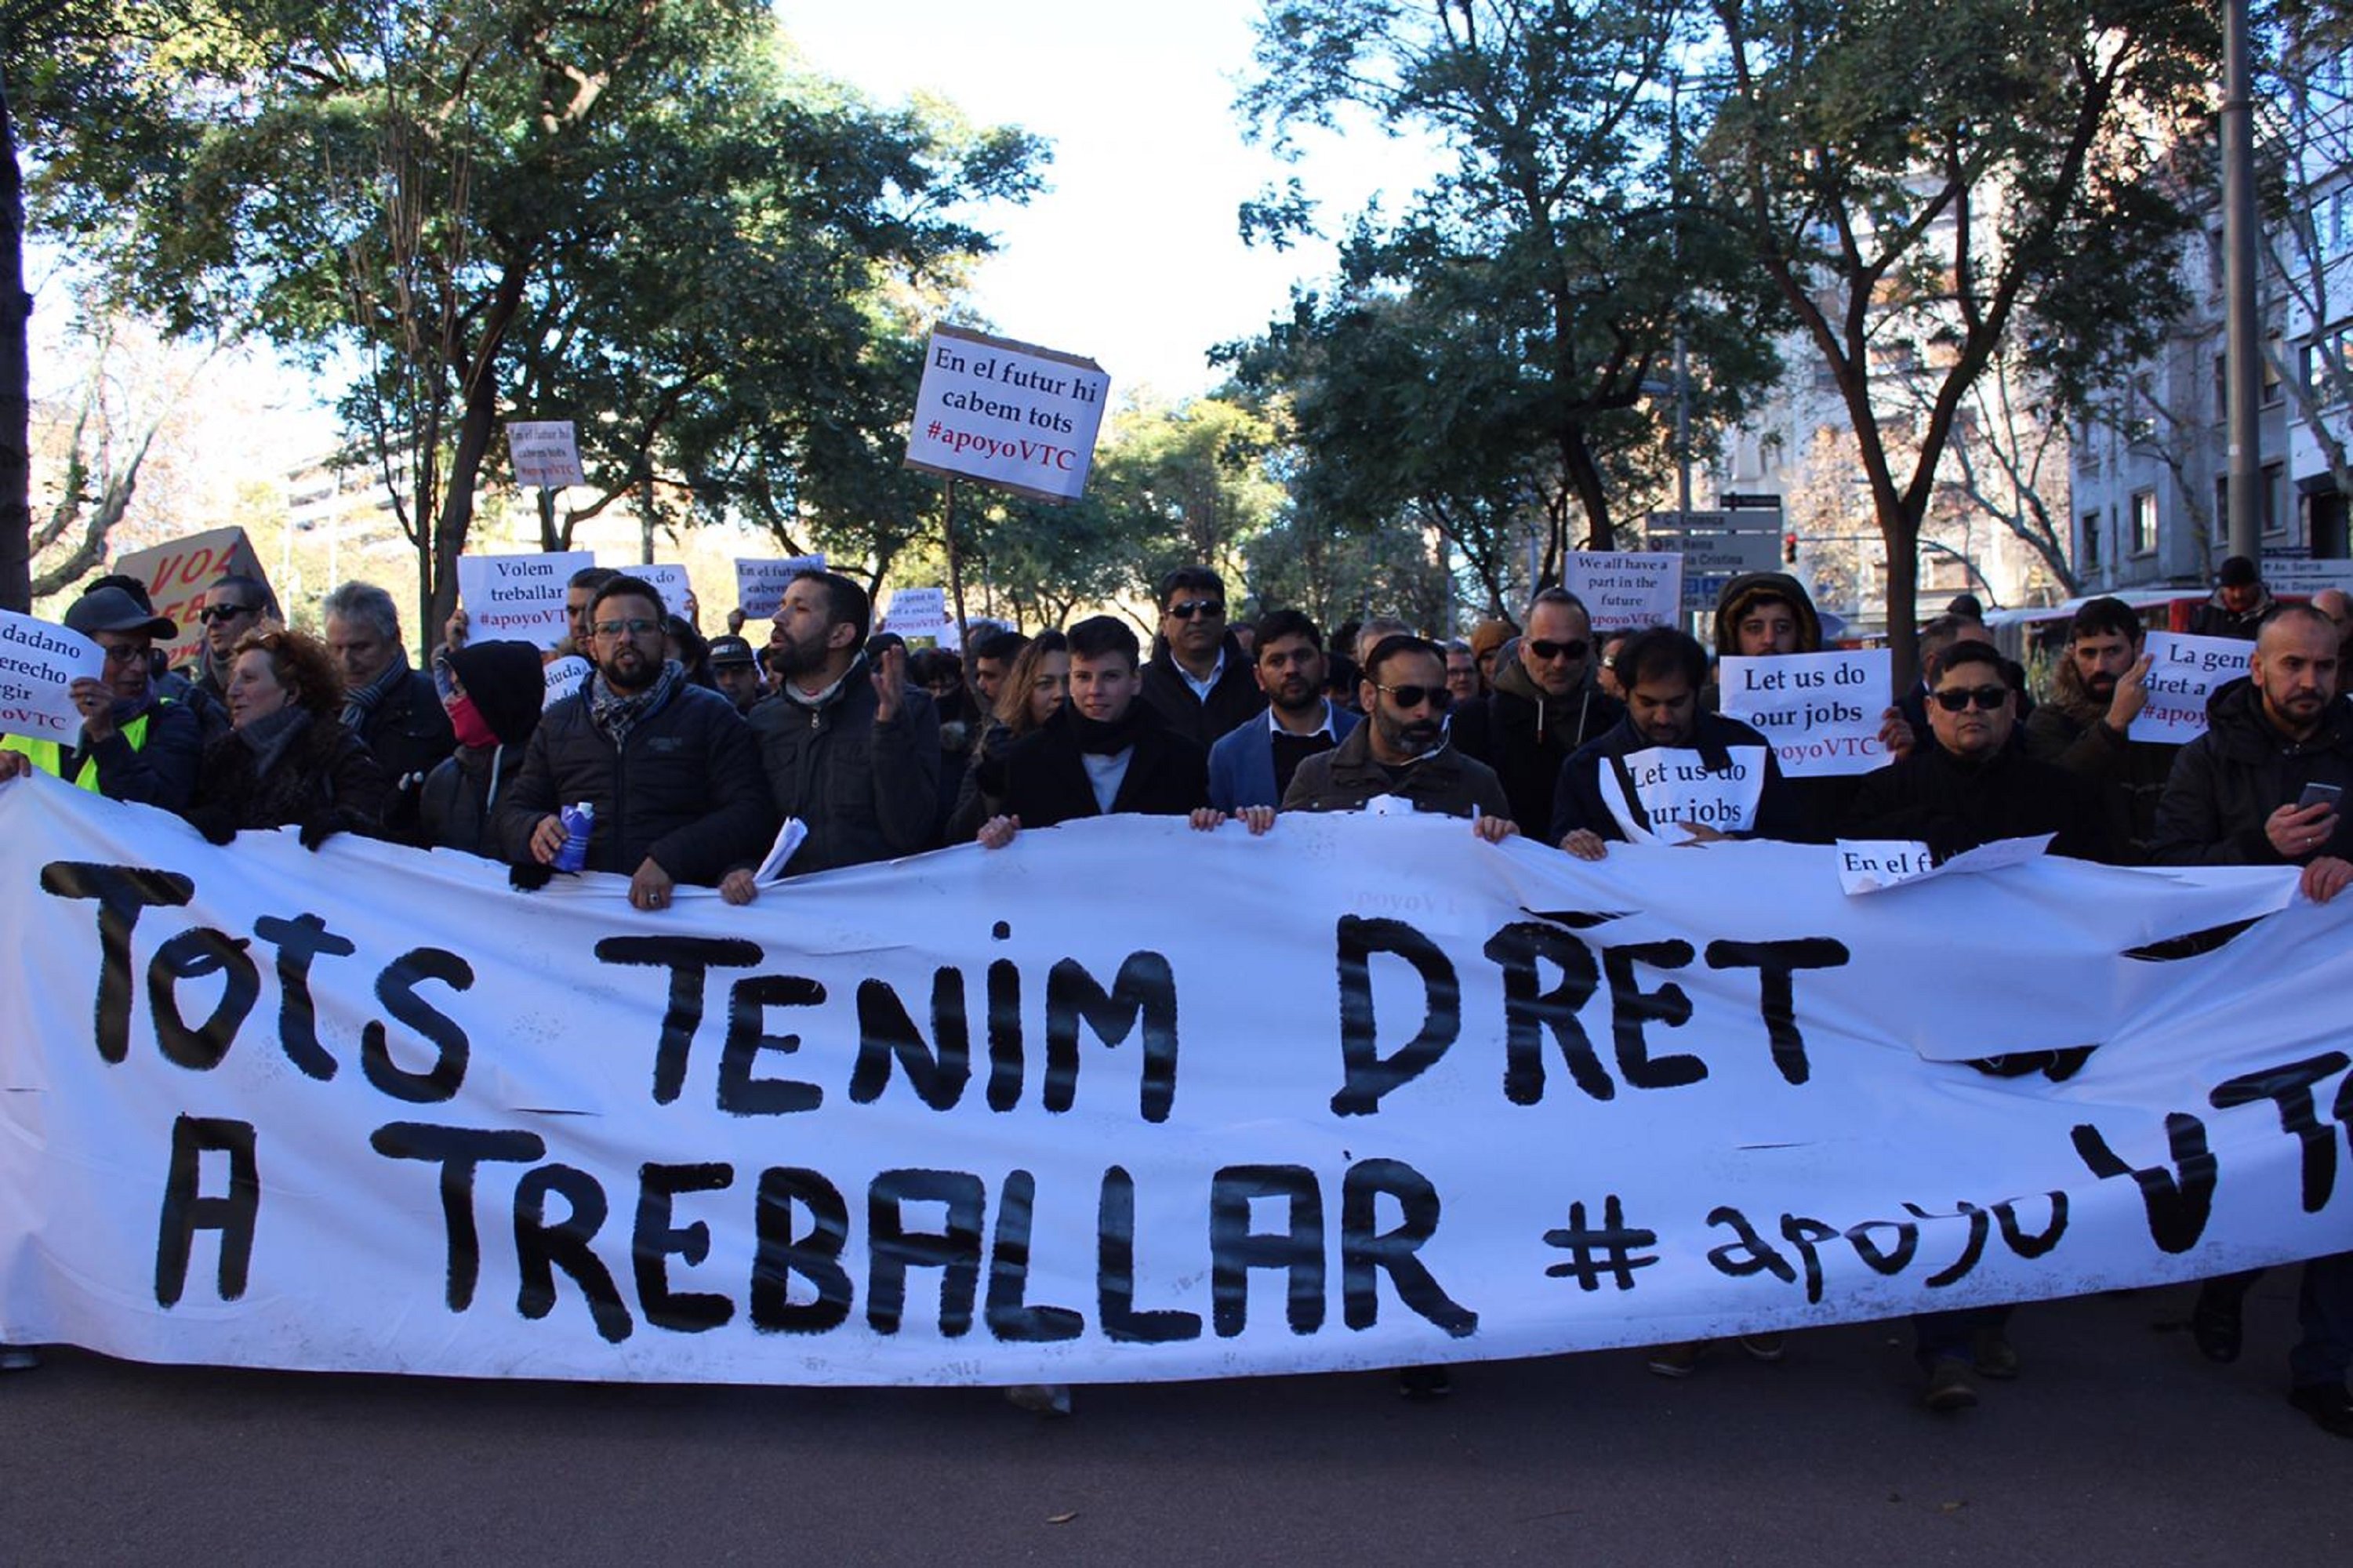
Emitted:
pixel 865 790
pixel 1234 699
pixel 408 734
pixel 325 781
pixel 685 789
pixel 1043 781
pixel 2227 783
pixel 1505 731
pixel 1578 802
pixel 1950 805
pixel 455 808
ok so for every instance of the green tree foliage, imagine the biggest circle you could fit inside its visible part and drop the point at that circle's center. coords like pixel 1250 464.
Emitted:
pixel 635 214
pixel 1926 190
pixel 1491 362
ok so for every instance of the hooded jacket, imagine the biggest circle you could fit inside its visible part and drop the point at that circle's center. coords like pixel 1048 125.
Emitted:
pixel 2070 729
pixel 1745 590
pixel 2227 783
pixel 1525 735
pixel 456 808
pixel 1235 700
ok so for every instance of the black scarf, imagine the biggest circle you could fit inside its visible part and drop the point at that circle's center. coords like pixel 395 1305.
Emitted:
pixel 1103 739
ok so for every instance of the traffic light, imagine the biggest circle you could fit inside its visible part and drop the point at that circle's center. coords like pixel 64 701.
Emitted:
pixel 1789 549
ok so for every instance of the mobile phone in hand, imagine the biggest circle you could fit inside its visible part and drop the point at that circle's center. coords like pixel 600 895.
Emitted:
pixel 2327 795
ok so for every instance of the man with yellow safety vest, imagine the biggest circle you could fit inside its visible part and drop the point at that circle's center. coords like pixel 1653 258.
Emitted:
pixel 134 745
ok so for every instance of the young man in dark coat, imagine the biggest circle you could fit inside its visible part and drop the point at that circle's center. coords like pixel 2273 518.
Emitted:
pixel 673 773
pixel 1199 679
pixel 1105 752
pixel 2084 726
pixel 1545 706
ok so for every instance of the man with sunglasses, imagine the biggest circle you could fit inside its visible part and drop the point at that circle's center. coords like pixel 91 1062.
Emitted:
pixel 671 772
pixel 1545 705
pixel 233 606
pixel 134 744
pixel 2264 785
pixel 1972 787
pixel 1199 681
pixel 1401 748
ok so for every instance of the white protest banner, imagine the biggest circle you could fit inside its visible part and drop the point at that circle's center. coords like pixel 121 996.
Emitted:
pixel 1020 416
pixel 1001 1117
pixel 1674 786
pixel 547 454
pixel 177 573
pixel 760 584
pixel 38 664
pixel 562 677
pixel 917 612
pixel 518 599
pixel 2183 672
pixel 1821 710
pixel 668 580
pixel 1628 590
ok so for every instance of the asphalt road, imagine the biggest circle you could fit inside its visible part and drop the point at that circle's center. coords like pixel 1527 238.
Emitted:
pixel 2119 1445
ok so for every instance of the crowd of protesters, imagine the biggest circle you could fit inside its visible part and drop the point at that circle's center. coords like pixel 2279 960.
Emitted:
pixel 687 754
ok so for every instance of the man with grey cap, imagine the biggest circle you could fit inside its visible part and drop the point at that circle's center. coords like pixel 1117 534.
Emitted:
pixel 134 745
pixel 735 670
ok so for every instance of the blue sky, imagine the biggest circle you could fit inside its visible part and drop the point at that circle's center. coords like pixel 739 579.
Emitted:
pixel 1133 256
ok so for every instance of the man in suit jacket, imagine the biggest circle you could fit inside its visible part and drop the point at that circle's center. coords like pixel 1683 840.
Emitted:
pixel 1252 764
pixel 1103 753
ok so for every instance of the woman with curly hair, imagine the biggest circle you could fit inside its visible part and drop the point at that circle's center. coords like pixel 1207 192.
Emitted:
pixel 288 761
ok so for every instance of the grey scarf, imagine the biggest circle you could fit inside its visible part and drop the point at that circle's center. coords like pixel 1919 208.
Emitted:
pixel 360 703
pixel 617 715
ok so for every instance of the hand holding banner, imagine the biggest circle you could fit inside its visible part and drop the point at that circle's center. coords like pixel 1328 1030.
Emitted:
pixel 2183 672
pixel 1821 710
pixel 39 662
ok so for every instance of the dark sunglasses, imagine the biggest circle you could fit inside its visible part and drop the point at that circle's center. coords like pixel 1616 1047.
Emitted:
pixel 1438 697
pixel 1548 651
pixel 636 627
pixel 1186 609
pixel 1985 697
pixel 212 613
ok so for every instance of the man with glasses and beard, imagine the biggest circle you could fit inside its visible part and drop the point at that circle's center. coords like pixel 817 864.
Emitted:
pixel 1401 748
pixel 2264 785
pixel 1545 705
pixel 2083 726
pixel 670 770
pixel 1199 679
pixel 134 744
pixel 1253 764
pixel 848 745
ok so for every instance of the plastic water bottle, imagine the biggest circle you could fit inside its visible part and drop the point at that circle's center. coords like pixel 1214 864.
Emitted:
pixel 577 821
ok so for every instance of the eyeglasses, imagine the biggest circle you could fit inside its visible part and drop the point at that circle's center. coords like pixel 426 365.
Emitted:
pixel 1438 697
pixel 212 613
pixel 636 626
pixel 126 653
pixel 1960 696
pixel 1186 609
pixel 1548 651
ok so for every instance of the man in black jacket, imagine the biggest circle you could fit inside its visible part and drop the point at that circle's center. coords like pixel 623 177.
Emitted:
pixel 671 772
pixel 390 705
pixel 2238 796
pixel 848 747
pixel 2240 604
pixel 1663 671
pixel 1545 706
pixel 1103 753
pixel 2084 727
pixel 1972 787
pixel 1199 679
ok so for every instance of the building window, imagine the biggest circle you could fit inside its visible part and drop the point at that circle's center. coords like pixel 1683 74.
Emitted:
pixel 2272 390
pixel 2275 508
pixel 2144 522
pixel 2091 548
